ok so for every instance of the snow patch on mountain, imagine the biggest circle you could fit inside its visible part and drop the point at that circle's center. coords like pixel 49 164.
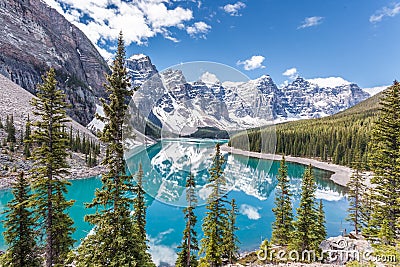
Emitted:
pixel 97 125
pixel 180 107
pixel 331 82
pixel 137 57
pixel 374 90
pixel 209 78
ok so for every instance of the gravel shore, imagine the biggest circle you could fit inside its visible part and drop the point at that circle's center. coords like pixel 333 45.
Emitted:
pixel 341 174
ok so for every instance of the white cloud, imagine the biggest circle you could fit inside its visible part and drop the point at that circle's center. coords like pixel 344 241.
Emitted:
pixel 374 90
pixel 139 20
pixel 161 253
pixel 328 195
pixel 310 22
pixel 329 81
pixel 250 211
pixel 208 77
pixel 233 9
pixel 255 62
pixel 205 192
pixel 291 73
pixel 387 11
pixel 198 29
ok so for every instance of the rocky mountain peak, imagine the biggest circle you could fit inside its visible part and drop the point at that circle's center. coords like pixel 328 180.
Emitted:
pixel 36 37
pixel 140 69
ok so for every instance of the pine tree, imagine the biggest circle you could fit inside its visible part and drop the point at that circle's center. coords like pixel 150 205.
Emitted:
pixel 139 221
pixel 231 248
pixel 186 257
pixel 216 217
pixel 305 235
pixel 114 239
pixel 385 164
pixel 320 227
pixel 71 138
pixel 49 170
pixel 21 136
pixel 366 211
pixel 282 228
pixel 10 127
pixel 20 234
pixel 356 186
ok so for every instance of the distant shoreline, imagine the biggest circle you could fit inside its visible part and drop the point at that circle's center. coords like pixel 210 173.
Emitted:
pixel 6 182
pixel 341 174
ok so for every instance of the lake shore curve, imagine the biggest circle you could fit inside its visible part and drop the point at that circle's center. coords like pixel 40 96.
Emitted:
pixel 341 174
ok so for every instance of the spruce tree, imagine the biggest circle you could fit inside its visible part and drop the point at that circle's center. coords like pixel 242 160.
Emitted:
pixel 49 171
pixel 366 208
pixel 356 186
pixel 20 234
pixel 282 228
pixel 114 238
pixel 186 256
pixel 21 137
pixel 139 221
pixel 320 227
pixel 305 235
pixel 10 127
pixel 230 247
pixel 385 164
pixel 216 216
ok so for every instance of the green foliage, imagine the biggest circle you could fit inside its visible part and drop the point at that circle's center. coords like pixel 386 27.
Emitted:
pixel 49 185
pixel 336 138
pixel 230 247
pixel 308 233
pixel 385 164
pixel 10 129
pixel 320 227
pixel 115 240
pixel 391 254
pixel 356 194
pixel 27 138
pixel 139 220
pixel 186 256
pixel 20 234
pixel 282 228
pixel 358 264
pixel 85 146
pixel 215 220
pixel 265 252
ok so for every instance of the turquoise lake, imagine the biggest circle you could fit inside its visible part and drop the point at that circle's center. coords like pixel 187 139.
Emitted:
pixel 251 182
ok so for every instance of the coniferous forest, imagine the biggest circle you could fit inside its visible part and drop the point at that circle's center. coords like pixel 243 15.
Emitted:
pixel 39 228
pixel 338 139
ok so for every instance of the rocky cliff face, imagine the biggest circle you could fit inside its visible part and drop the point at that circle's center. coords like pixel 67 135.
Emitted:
pixel 302 99
pixel 36 37
pixel 180 106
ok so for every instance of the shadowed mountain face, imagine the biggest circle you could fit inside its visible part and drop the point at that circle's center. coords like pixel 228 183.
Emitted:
pixel 35 37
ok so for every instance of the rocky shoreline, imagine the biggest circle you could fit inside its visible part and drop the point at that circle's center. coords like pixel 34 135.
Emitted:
pixel 6 182
pixel 341 174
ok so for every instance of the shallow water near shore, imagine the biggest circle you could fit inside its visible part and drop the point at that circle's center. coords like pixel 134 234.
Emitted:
pixel 253 183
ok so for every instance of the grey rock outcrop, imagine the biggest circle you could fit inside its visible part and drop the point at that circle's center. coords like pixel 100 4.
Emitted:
pixel 36 37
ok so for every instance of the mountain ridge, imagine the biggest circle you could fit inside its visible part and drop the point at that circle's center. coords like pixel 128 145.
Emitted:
pixel 35 38
pixel 182 106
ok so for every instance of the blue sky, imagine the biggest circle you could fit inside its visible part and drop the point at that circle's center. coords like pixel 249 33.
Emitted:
pixel 357 40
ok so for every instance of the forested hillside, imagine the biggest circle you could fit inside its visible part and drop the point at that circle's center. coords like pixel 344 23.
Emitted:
pixel 336 138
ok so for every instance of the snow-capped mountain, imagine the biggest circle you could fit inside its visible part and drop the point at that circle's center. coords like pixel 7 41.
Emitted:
pixel 180 106
pixel 304 99
pixel 140 69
